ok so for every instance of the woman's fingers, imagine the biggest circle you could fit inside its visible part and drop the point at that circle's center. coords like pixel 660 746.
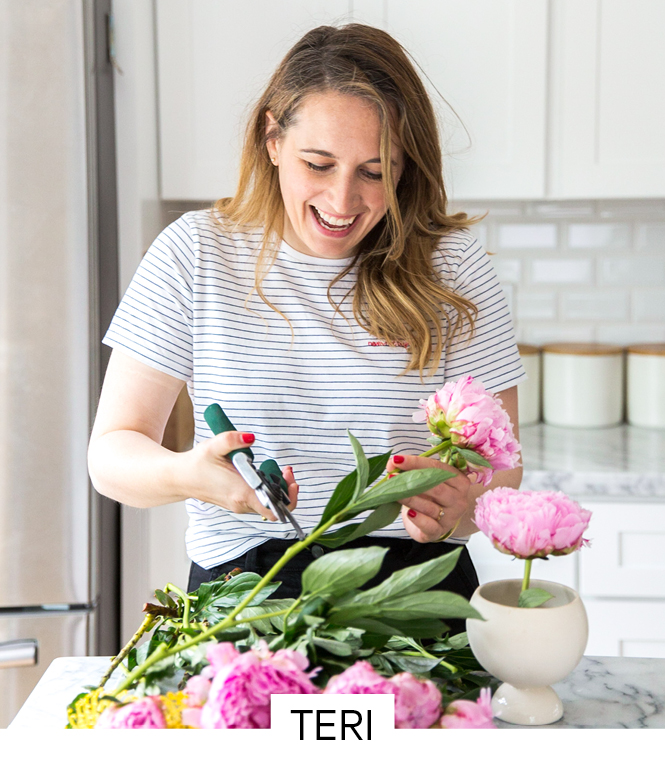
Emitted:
pixel 293 487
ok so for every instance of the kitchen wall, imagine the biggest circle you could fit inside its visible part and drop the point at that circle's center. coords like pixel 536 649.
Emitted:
pixel 583 271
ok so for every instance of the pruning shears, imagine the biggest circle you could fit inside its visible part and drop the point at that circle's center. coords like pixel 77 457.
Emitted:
pixel 266 480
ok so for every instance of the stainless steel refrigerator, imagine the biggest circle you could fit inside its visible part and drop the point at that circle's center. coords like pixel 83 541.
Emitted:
pixel 58 288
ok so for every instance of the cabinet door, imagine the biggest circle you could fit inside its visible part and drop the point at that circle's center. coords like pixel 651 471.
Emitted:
pixel 487 59
pixel 607 107
pixel 629 628
pixel 627 553
pixel 214 57
pixel 492 565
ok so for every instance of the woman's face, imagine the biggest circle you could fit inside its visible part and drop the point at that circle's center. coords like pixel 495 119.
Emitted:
pixel 330 174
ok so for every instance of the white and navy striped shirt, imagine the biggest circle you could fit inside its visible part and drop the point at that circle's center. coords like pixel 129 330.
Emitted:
pixel 184 314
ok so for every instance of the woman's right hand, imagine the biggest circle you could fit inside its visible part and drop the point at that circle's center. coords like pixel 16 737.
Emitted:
pixel 207 474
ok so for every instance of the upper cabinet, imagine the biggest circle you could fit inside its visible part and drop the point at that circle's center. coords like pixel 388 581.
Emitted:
pixel 536 98
pixel 485 65
pixel 214 58
pixel 607 99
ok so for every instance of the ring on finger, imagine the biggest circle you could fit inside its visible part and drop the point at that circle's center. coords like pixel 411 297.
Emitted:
pixel 440 515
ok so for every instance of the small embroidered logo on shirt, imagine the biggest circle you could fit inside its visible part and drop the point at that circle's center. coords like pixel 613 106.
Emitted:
pixel 402 344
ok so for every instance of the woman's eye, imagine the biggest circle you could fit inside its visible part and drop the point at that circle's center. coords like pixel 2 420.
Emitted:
pixel 373 175
pixel 317 167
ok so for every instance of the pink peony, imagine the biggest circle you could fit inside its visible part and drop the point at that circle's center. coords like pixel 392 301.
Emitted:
pixel 417 702
pixel 145 713
pixel 471 417
pixel 531 524
pixel 197 689
pixel 360 679
pixel 240 693
pixel 465 714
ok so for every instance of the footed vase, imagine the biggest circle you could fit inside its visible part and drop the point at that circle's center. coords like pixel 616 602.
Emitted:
pixel 528 649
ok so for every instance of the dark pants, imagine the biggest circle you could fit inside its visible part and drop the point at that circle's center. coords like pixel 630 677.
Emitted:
pixel 401 554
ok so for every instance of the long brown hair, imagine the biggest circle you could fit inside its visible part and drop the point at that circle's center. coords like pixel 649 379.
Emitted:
pixel 398 296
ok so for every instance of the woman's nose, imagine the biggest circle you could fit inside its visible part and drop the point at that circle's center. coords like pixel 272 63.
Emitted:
pixel 344 194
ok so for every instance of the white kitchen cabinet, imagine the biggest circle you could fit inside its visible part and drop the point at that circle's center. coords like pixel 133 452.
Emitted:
pixel 607 106
pixel 622 579
pixel 214 59
pixel 486 70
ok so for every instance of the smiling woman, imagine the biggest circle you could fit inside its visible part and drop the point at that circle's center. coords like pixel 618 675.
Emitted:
pixel 313 301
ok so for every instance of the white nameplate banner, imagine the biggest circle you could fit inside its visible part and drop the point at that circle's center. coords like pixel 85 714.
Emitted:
pixel 327 718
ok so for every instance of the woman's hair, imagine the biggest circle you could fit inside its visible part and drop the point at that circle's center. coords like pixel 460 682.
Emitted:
pixel 398 296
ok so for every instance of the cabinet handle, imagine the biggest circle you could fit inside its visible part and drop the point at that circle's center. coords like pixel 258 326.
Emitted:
pixel 18 652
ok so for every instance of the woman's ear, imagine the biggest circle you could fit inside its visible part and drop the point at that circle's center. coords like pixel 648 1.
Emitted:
pixel 271 127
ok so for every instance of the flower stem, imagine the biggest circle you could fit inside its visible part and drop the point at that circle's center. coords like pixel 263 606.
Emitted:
pixel 527 574
pixel 120 657
pixel 185 601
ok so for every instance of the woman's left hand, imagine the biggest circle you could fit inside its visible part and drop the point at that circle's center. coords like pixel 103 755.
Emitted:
pixel 432 514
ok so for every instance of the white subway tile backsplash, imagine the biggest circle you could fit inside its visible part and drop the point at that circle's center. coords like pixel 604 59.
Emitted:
pixel 509 293
pixel 562 271
pixel 632 270
pixel 595 305
pixel 633 209
pixel 649 304
pixel 535 305
pixel 507 270
pixel 650 237
pixel 527 236
pixel 626 334
pixel 598 235
pixel 554 333
pixel 562 210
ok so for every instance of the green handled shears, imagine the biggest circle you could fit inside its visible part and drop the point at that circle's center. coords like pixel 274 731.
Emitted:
pixel 267 481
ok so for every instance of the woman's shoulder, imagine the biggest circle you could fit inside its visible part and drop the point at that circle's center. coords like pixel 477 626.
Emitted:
pixel 210 233
pixel 454 249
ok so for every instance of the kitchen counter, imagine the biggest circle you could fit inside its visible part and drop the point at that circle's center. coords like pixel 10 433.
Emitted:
pixel 600 693
pixel 622 462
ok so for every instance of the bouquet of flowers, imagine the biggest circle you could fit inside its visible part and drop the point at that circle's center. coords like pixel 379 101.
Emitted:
pixel 215 656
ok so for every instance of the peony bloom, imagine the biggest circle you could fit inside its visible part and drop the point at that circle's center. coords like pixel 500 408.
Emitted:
pixel 145 713
pixel 360 679
pixel 471 417
pixel 531 524
pixel 240 693
pixel 465 714
pixel 197 689
pixel 417 702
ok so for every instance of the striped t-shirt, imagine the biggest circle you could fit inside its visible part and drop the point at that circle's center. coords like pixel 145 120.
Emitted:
pixel 184 314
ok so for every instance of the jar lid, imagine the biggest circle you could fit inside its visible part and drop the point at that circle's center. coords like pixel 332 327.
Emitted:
pixel 528 349
pixel 588 349
pixel 658 349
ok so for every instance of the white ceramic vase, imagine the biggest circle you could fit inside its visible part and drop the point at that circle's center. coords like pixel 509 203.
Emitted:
pixel 528 649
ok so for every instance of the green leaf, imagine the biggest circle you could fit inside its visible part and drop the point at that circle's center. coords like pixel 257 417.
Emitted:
pixel 533 598
pixel 403 485
pixel 433 604
pixel 338 572
pixel 346 487
pixel 473 457
pixel 333 646
pixel 362 467
pixel 414 663
pixel 228 594
pixel 377 519
pixel 164 599
pixel 416 578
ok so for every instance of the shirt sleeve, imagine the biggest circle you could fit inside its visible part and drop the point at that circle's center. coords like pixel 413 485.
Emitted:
pixel 490 355
pixel 153 322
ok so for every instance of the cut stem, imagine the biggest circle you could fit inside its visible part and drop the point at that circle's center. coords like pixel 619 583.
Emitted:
pixel 527 574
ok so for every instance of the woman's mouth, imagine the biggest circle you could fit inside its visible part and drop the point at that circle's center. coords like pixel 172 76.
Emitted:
pixel 334 227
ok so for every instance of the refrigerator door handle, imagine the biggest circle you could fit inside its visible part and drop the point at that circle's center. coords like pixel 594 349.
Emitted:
pixel 18 652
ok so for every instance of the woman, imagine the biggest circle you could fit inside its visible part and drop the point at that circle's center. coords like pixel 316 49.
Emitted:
pixel 331 293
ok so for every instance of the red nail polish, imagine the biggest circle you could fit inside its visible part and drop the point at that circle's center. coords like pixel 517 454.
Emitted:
pixel 248 438
pixel 392 475
pixel 398 459
pixel 412 513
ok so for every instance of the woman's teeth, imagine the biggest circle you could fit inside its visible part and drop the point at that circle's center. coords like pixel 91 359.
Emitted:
pixel 333 223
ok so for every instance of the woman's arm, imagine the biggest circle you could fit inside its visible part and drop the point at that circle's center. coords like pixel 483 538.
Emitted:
pixel 456 497
pixel 127 462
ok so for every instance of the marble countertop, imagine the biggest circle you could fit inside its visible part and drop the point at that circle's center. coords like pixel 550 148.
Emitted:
pixel 622 462
pixel 601 693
